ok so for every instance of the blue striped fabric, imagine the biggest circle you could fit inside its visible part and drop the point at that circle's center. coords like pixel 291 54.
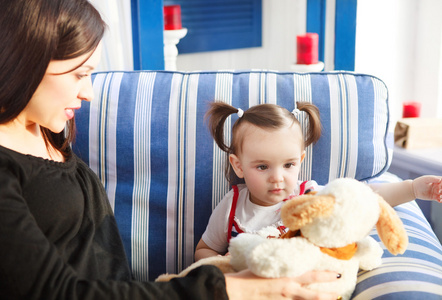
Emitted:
pixel 415 275
pixel 145 137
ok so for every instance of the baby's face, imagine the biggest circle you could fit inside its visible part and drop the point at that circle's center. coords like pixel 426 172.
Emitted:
pixel 269 162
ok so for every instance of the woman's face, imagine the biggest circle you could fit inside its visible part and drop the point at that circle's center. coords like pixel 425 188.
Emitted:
pixel 60 94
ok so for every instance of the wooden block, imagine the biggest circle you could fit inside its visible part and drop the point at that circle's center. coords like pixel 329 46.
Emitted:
pixel 418 133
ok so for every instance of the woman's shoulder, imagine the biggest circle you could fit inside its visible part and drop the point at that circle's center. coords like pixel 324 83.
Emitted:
pixel 13 161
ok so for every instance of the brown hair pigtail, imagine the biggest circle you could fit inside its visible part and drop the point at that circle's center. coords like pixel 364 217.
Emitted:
pixel 314 122
pixel 216 117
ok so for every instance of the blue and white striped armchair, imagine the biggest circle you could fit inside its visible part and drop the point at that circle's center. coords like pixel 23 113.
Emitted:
pixel 145 137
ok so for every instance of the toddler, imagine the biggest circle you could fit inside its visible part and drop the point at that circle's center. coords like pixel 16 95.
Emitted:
pixel 266 152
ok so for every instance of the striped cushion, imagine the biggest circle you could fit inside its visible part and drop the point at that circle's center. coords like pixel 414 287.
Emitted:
pixel 417 274
pixel 145 131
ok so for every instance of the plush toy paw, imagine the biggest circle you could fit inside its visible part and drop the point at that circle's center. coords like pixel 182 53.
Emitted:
pixel 369 254
pixel 222 262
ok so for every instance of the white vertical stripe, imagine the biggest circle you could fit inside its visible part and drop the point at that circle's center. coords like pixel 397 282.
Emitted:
pixel 172 187
pixel 353 125
pixel 254 89
pixel 111 132
pixel 335 122
pixel 142 176
pixel 302 93
pixel 190 168
pixel 271 84
pixel 223 92
pixel 101 83
pixel 380 124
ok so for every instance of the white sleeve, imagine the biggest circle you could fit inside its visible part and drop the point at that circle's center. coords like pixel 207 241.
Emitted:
pixel 215 235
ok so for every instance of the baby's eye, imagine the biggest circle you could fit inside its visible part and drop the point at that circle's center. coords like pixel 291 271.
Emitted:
pixel 289 165
pixel 261 167
pixel 80 76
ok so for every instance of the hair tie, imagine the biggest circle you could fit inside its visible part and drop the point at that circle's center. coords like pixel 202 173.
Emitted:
pixel 240 112
pixel 296 112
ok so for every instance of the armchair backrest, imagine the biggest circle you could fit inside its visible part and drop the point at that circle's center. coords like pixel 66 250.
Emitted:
pixel 145 137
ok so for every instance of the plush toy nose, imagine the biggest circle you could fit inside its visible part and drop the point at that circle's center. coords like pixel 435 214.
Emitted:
pixel 302 210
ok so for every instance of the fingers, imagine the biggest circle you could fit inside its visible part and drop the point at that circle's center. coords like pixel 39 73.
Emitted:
pixel 428 188
pixel 296 289
pixel 297 292
pixel 304 293
pixel 436 190
pixel 317 276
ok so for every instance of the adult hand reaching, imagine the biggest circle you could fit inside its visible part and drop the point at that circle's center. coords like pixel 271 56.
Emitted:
pixel 246 285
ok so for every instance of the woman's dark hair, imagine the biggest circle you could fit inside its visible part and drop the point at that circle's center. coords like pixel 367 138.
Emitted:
pixel 265 116
pixel 32 33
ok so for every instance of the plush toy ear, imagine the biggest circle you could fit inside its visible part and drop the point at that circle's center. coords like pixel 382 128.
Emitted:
pixel 302 210
pixel 390 229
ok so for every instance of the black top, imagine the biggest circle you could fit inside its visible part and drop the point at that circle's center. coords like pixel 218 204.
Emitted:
pixel 59 238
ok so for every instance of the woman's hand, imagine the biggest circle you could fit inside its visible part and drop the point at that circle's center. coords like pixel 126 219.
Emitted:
pixel 246 285
pixel 428 188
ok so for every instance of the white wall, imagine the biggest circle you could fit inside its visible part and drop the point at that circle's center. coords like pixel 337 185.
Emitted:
pixel 282 21
pixel 117 40
pixel 400 42
pixel 385 35
pixel 428 67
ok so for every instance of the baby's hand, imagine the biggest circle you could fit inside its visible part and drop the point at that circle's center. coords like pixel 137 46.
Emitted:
pixel 428 188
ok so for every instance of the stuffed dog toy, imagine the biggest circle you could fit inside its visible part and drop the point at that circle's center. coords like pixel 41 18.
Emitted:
pixel 328 230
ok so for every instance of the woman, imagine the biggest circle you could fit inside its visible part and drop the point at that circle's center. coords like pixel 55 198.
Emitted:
pixel 58 236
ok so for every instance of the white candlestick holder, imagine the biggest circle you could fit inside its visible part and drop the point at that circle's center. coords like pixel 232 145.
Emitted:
pixel 171 39
pixel 308 68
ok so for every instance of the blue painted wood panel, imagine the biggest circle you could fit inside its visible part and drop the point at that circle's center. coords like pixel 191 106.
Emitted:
pixel 147 32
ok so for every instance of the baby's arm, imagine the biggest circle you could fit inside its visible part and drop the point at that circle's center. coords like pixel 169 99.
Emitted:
pixel 215 234
pixel 203 251
pixel 425 187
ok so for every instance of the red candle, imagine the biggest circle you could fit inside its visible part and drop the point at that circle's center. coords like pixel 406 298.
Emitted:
pixel 411 109
pixel 172 17
pixel 307 49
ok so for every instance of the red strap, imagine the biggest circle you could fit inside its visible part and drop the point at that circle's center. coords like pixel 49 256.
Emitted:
pixel 239 230
pixel 301 191
pixel 232 212
pixel 302 187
